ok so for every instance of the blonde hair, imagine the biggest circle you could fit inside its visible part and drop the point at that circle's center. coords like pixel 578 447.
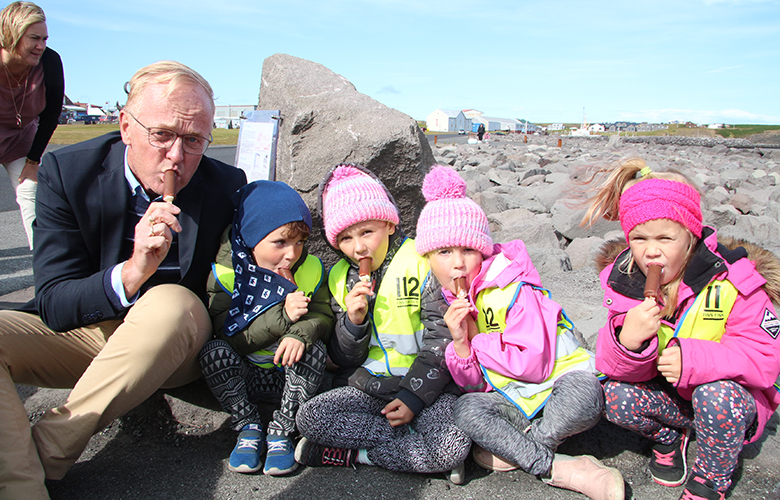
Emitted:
pixel 14 21
pixel 606 201
pixel 171 72
pixel 622 175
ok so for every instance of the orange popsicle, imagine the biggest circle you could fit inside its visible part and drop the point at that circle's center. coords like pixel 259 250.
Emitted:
pixel 365 269
pixel 169 186
pixel 460 287
pixel 653 281
pixel 287 274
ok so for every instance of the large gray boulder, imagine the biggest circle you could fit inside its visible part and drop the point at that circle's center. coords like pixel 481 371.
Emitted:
pixel 326 121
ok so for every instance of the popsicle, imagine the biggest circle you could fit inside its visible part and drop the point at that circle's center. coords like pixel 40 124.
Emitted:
pixel 169 186
pixel 365 269
pixel 287 274
pixel 653 281
pixel 460 287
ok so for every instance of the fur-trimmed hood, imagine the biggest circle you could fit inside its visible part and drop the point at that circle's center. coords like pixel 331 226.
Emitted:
pixel 767 263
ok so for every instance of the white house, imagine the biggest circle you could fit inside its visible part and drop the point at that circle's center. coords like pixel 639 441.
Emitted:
pixel 595 128
pixel 442 120
pixel 462 122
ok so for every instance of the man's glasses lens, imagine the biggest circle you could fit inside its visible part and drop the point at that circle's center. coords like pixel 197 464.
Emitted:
pixel 163 138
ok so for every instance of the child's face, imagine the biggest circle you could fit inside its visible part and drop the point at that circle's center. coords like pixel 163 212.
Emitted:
pixel 662 240
pixel 369 238
pixel 455 262
pixel 277 251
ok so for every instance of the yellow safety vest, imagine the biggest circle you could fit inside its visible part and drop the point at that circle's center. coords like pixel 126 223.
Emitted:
pixel 706 318
pixel 395 319
pixel 493 304
pixel 308 277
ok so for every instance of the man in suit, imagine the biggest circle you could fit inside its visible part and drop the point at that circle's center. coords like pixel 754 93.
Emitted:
pixel 120 275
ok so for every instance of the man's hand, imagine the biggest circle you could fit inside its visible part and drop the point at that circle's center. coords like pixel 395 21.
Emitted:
pixel 642 323
pixel 460 323
pixel 153 239
pixel 296 304
pixel 397 413
pixel 289 352
pixel 670 364
pixel 357 302
pixel 29 171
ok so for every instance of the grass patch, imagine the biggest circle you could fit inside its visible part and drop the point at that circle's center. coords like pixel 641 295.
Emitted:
pixel 741 131
pixel 78 132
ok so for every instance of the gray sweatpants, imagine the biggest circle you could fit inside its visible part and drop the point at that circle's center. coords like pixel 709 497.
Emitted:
pixel 347 417
pixel 497 425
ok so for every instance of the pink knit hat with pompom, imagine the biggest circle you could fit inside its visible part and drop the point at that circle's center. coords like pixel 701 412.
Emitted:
pixel 450 219
pixel 351 196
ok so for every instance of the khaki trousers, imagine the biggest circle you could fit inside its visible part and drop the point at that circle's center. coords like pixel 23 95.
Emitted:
pixel 112 367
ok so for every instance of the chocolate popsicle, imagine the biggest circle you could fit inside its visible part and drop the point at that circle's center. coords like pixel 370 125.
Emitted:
pixel 365 269
pixel 287 274
pixel 169 186
pixel 653 281
pixel 460 287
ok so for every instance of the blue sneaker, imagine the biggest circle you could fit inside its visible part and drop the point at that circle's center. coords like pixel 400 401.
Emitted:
pixel 281 456
pixel 245 457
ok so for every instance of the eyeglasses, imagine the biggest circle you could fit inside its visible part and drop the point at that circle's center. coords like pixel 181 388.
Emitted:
pixel 163 138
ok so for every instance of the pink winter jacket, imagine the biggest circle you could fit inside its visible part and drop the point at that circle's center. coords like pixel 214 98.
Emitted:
pixel 748 353
pixel 526 349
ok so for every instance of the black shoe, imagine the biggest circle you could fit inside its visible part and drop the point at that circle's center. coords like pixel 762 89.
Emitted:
pixel 315 455
pixel 669 465
pixel 699 488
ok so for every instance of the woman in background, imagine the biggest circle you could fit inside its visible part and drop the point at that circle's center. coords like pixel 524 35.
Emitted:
pixel 32 85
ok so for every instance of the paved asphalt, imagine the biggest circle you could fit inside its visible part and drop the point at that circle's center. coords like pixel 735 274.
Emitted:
pixel 175 445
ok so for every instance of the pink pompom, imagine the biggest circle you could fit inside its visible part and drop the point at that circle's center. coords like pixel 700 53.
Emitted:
pixel 345 170
pixel 443 182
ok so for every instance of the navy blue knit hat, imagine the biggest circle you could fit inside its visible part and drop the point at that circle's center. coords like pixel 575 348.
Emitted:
pixel 264 206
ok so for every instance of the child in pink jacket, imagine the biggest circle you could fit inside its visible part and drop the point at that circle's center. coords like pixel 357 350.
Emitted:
pixel 697 351
pixel 513 350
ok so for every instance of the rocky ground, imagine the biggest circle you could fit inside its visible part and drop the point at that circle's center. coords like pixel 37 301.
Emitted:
pixel 175 445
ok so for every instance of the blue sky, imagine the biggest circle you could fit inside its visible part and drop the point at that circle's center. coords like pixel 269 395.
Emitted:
pixel 544 60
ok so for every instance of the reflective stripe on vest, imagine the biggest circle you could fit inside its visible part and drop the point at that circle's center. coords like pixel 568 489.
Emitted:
pixel 706 318
pixel 395 320
pixel 493 304
pixel 308 277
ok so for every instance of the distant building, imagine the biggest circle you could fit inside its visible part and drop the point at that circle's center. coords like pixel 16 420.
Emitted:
pixel 462 122
pixel 595 128
pixel 230 116
pixel 555 126
pixel 442 120
pixel 715 125
pixel 526 127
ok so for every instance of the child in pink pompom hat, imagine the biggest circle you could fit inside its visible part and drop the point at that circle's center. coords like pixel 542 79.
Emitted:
pixel 389 340
pixel 513 350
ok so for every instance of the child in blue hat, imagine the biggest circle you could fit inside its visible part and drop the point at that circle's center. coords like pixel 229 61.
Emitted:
pixel 270 329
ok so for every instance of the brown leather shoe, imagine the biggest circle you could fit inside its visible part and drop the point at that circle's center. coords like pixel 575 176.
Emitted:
pixel 587 475
pixel 489 461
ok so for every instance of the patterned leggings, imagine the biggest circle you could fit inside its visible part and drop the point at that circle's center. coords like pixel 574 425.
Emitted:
pixel 238 384
pixel 347 417
pixel 721 412
pixel 497 425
